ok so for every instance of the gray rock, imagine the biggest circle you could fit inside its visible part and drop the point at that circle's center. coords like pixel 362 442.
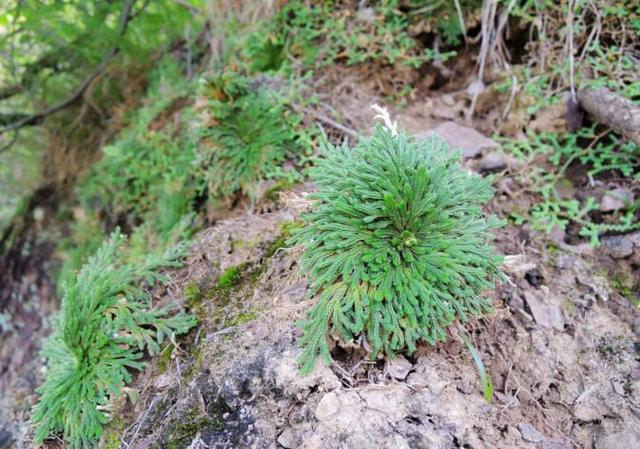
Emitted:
pixel 529 433
pixel 544 311
pixel 328 407
pixel 399 367
pixel 469 141
pixel 289 439
pixel 622 246
pixel 556 444
pixel 492 162
pixel 616 199
pixel 628 439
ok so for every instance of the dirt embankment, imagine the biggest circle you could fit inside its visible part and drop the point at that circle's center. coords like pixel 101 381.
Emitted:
pixel 562 348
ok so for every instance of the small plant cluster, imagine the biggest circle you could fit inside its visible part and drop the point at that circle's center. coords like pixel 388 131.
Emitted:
pixel 396 245
pixel 157 175
pixel 249 135
pixel 106 323
pixel 144 180
pixel 549 156
pixel 323 33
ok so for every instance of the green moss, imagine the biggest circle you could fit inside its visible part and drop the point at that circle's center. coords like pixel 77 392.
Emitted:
pixel 192 294
pixel 242 318
pixel 552 249
pixel 569 306
pixel 186 430
pixel 285 234
pixel 164 358
pixel 273 193
pixel 231 276
pixel 238 244
pixel 188 427
pixel 111 440
pixel 194 368
pixel 623 282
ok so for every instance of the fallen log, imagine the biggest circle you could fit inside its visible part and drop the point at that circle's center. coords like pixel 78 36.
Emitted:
pixel 609 108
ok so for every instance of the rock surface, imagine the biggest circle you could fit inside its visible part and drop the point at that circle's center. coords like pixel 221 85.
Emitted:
pixel 467 140
pixel 616 199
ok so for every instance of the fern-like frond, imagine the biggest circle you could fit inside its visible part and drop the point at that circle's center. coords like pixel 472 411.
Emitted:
pixel 395 246
pixel 105 323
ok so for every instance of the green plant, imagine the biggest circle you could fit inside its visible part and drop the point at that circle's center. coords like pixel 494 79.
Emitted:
pixel 323 33
pixel 395 246
pixel 151 159
pixel 548 156
pixel 105 324
pixel 145 178
pixel 250 135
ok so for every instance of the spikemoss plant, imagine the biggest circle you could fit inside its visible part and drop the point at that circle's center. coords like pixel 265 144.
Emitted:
pixel 249 136
pixel 395 245
pixel 105 324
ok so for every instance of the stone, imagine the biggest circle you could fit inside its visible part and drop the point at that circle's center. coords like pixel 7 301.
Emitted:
pixel 529 433
pixel 289 439
pixel 287 375
pixel 616 199
pixel 428 378
pixel 622 246
pixel 557 234
pixel 493 161
pixel 467 140
pixel 544 313
pixel 399 367
pixel 620 440
pixel 328 407
pixel 553 443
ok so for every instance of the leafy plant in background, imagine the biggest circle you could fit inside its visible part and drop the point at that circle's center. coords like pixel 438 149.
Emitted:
pixel 105 324
pixel 250 134
pixel 395 246
pixel 604 154
pixel 145 178
pixel 323 33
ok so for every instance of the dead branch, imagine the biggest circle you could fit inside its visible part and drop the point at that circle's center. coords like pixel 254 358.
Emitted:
pixel 607 107
pixel 37 118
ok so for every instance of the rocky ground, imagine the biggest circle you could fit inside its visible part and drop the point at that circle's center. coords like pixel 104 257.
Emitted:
pixel 562 348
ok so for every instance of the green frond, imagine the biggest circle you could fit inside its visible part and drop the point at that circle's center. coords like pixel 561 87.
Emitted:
pixel 252 135
pixel 395 245
pixel 105 324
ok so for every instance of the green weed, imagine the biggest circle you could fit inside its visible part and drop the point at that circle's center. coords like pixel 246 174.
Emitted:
pixel 106 323
pixel 548 156
pixel 252 134
pixel 396 245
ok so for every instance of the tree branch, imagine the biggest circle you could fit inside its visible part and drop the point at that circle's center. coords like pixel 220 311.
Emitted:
pixel 10 91
pixel 613 110
pixel 35 119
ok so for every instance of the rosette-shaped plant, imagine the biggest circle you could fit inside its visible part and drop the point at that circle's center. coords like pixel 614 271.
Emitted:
pixel 396 245
pixel 106 323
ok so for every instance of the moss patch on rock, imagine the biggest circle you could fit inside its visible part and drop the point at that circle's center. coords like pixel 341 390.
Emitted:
pixel 186 430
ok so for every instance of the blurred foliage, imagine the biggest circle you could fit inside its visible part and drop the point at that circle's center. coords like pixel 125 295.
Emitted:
pixel 48 49
pixel 548 156
pixel 328 32
pixel 248 135
pixel 192 143
pixel 50 45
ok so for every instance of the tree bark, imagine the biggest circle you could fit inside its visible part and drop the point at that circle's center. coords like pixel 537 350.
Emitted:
pixel 609 108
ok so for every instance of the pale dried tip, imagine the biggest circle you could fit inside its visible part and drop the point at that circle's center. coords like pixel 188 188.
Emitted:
pixel 383 114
